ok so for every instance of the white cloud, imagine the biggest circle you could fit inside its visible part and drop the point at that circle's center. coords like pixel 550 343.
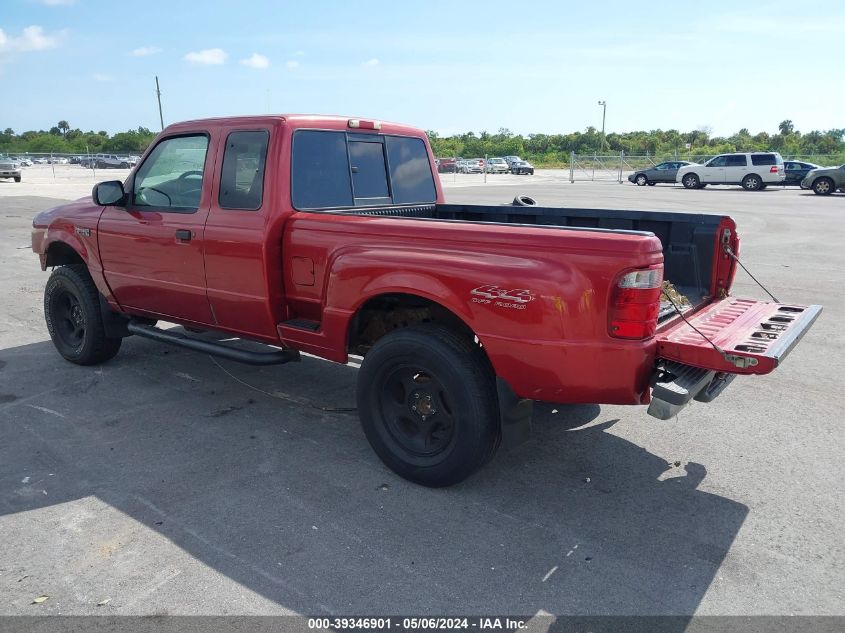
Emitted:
pixel 292 63
pixel 371 62
pixel 32 38
pixel 101 77
pixel 208 56
pixel 58 3
pixel 256 60
pixel 143 51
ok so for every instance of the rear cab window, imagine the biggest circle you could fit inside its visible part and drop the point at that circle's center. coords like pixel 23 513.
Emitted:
pixel 333 169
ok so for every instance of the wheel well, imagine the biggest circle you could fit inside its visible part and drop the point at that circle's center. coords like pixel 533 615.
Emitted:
pixel 388 312
pixel 60 254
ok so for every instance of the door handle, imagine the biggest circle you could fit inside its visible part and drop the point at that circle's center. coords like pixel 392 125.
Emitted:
pixel 183 235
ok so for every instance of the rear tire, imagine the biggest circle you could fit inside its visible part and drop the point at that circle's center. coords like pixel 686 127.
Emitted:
pixel 823 186
pixel 752 182
pixel 428 404
pixel 691 181
pixel 72 313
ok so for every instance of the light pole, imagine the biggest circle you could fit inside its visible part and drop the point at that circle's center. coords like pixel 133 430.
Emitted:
pixel 603 105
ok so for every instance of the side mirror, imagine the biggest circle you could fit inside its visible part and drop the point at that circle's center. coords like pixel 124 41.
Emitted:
pixel 109 193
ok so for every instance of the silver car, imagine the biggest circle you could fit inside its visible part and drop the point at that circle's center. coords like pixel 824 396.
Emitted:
pixel 825 180
pixel 10 169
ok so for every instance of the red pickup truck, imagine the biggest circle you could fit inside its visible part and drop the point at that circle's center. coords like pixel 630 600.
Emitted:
pixel 330 236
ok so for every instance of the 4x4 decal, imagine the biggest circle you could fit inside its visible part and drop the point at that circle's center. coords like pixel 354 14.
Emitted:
pixel 516 299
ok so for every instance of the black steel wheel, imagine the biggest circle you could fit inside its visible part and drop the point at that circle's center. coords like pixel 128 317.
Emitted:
pixel 72 313
pixel 428 404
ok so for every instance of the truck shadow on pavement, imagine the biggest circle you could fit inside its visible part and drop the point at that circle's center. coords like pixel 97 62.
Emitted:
pixel 263 475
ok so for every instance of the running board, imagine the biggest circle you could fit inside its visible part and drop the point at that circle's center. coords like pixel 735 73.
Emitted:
pixel 277 357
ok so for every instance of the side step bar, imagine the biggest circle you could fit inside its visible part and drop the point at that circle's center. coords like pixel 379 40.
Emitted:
pixel 277 357
pixel 678 384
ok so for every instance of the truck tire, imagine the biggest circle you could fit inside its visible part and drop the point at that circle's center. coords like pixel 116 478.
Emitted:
pixel 72 312
pixel 428 404
pixel 524 201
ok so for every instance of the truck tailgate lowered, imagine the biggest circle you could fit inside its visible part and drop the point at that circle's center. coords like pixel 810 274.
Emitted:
pixel 752 336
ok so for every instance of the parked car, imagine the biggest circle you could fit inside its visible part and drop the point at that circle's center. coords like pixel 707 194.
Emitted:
pixel 10 169
pixel 497 166
pixel 520 166
pixel 753 170
pixel 105 161
pixel 462 324
pixel 663 172
pixel 469 166
pixel 41 160
pixel 24 161
pixel 510 159
pixel 446 165
pixel 825 180
pixel 795 171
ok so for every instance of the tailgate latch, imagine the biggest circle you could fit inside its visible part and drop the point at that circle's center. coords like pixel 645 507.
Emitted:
pixel 742 362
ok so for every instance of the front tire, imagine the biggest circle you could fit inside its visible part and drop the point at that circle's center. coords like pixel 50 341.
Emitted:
pixel 72 312
pixel 641 180
pixel 691 181
pixel 428 404
pixel 823 187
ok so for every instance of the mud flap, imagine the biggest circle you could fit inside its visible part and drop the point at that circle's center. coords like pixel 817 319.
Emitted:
pixel 515 415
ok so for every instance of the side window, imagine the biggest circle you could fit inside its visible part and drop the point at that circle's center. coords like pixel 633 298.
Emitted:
pixel 763 159
pixel 242 175
pixel 337 169
pixel 737 161
pixel 369 174
pixel 719 161
pixel 320 170
pixel 662 166
pixel 410 171
pixel 171 176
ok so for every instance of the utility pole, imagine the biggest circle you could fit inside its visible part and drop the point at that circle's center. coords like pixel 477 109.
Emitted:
pixel 158 95
pixel 603 105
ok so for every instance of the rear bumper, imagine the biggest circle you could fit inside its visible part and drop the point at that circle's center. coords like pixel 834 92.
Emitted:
pixel 676 385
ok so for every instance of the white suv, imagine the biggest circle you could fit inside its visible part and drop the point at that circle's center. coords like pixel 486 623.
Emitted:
pixel 753 170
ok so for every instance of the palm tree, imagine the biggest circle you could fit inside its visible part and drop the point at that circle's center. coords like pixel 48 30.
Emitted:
pixel 64 126
pixel 786 127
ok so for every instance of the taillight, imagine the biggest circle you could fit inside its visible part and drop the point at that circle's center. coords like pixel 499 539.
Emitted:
pixel 774 169
pixel 635 304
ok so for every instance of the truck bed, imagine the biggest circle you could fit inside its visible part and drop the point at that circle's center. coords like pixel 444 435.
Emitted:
pixel 688 239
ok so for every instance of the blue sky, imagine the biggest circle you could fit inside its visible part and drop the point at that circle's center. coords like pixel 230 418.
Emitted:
pixel 447 66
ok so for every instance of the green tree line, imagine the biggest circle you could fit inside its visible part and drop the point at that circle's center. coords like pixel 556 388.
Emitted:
pixel 62 139
pixel 554 149
pixel 541 149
